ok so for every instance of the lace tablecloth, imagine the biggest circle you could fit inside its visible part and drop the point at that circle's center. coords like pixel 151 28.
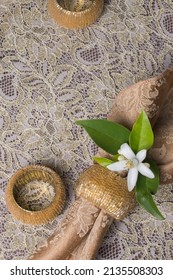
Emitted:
pixel 50 77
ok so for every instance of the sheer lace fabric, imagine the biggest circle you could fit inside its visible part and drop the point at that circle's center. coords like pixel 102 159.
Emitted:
pixel 49 77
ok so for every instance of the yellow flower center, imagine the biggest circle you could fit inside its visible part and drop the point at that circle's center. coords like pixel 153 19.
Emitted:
pixel 132 163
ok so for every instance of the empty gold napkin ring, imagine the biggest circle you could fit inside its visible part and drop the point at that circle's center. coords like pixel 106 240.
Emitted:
pixel 107 190
pixel 42 183
pixel 80 16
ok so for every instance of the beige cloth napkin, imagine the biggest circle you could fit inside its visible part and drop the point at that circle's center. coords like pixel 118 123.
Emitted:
pixel 80 233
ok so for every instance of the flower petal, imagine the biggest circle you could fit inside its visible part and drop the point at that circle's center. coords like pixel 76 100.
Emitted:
pixel 126 151
pixel 121 158
pixel 132 178
pixel 144 170
pixel 118 166
pixel 146 164
pixel 141 155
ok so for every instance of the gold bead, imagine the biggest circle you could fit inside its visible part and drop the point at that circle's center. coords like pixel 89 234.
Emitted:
pixel 107 190
pixel 75 14
pixel 35 194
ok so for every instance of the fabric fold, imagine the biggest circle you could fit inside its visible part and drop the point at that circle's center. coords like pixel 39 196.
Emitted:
pixel 77 223
pixel 89 246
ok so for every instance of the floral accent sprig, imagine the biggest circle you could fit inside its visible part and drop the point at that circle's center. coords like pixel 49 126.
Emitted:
pixel 133 164
pixel 128 150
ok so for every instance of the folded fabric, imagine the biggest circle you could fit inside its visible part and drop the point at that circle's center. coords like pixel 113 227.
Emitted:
pixel 155 96
pixel 80 233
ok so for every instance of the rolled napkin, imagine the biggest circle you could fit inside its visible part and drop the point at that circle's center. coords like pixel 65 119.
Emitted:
pixel 162 150
pixel 80 233
pixel 155 96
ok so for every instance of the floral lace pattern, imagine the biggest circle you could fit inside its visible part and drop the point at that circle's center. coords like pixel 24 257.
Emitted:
pixel 51 76
pixel 75 226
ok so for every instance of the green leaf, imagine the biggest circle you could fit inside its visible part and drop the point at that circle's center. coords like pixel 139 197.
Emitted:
pixel 106 134
pixel 141 136
pixel 115 157
pixel 152 184
pixel 145 198
pixel 103 161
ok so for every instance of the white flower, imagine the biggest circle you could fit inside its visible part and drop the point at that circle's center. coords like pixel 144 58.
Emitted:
pixel 133 163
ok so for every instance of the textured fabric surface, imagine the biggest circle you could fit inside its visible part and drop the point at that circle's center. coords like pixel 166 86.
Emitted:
pixel 49 77
pixel 68 242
